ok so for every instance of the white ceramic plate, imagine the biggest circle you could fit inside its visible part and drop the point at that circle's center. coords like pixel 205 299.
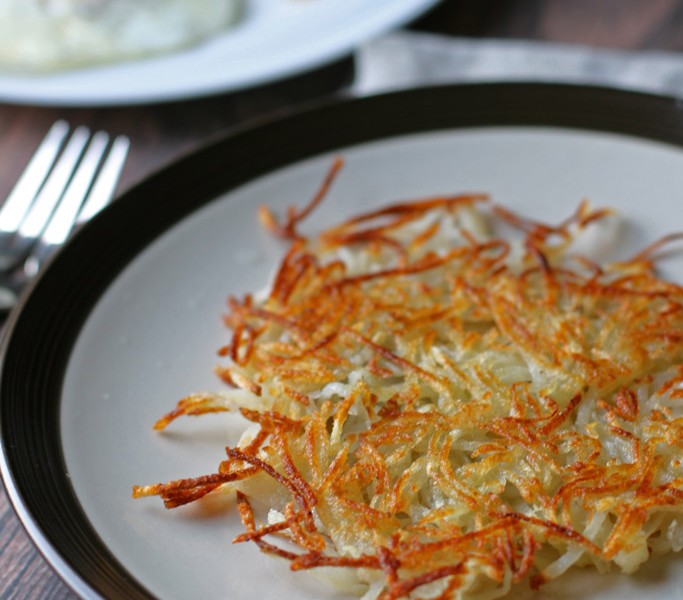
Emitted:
pixel 145 319
pixel 274 39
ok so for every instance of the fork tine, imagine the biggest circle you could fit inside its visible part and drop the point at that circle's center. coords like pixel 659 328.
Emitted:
pixel 19 200
pixel 51 192
pixel 61 222
pixel 103 182
pixel 82 178
pixel 103 188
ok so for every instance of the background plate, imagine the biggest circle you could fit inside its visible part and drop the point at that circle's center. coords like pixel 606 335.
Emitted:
pixel 126 320
pixel 273 40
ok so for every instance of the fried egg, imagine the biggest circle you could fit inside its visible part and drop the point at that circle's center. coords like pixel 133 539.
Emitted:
pixel 45 35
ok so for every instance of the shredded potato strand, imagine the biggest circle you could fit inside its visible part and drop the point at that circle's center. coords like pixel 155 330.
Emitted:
pixel 447 413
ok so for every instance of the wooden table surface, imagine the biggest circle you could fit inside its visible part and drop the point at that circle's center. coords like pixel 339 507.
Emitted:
pixel 161 133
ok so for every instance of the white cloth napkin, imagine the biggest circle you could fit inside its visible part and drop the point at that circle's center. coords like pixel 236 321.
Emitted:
pixel 407 59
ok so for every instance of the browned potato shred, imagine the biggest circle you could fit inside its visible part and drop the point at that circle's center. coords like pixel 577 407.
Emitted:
pixel 442 411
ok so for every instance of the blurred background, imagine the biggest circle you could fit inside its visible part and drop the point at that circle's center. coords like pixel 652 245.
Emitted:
pixel 624 24
pixel 162 132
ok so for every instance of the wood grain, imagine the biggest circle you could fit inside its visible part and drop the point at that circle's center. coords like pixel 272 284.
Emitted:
pixel 162 133
pixel 23 572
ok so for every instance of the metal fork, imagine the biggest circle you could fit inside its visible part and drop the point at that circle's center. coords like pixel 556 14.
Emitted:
pixel 66 182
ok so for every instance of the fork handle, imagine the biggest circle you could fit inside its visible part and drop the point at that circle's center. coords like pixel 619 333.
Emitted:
pixel 41 252
pixel 14 250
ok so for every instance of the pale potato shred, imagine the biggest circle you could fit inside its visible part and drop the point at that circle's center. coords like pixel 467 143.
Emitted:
pixel 441 411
